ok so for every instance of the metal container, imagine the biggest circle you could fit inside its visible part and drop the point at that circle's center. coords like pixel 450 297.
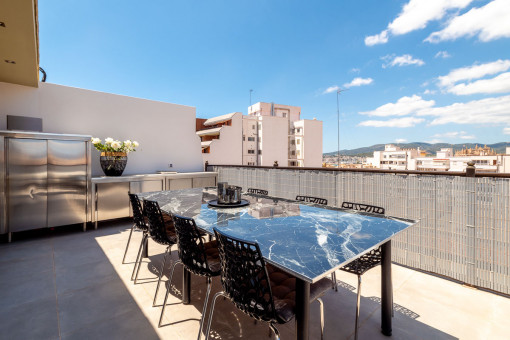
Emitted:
pixel 234 194
pixel 222 192
pixel 228 194
pixel 44 180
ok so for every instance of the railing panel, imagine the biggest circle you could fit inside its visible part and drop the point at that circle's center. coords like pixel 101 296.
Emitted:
pixel 464 223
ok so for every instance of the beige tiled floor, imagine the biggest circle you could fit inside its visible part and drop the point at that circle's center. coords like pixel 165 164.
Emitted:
pixel 72 285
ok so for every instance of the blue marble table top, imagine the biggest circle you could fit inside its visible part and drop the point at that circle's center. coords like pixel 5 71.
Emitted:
pixel 306 240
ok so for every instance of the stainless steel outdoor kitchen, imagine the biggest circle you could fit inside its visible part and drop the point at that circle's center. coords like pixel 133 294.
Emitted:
pixel 46 181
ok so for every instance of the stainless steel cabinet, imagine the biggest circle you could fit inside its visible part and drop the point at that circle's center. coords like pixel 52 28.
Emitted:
pixel 200 182
pixel 67 182
pixel 110 193
pixel 146 186
pixel 44 180
pixel 112 200
pixel 27 170
pixel 179 183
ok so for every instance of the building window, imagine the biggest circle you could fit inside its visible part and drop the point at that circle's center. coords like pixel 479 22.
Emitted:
pixel 260 152
pixel 299 153
pixel 253 127
pixel 244 138
pixel 293 153
pixel 251 151
pixel 251 163
pixel 298 141
pixel 293 142
pixel 285 115
pixel 251 139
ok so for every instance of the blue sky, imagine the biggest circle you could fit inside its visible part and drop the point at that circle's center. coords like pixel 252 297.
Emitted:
pixel 415 70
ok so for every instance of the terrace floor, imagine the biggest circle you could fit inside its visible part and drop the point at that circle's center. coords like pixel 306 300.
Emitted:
pixel 66 284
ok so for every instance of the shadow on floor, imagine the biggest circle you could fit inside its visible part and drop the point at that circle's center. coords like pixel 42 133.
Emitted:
pixel 61 283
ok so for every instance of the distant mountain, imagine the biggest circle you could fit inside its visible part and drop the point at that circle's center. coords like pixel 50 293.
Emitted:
pixel 430 148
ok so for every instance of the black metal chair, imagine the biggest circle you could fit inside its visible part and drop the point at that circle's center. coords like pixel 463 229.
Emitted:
pixel 257 191
pixel 363 207
pixel 311 199
pixel 365 262
pixel 161 231
pixel 138 223
pixel 196 256
pixel 260 290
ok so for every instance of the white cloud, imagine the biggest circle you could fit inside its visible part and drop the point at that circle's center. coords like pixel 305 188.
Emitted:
pixel 427 91
pixel 442 54
pixel 453 135
pixel 489 22
pixel 400 140
pixel 355 70
pixel 499 84
pixel 404 106
pixel 359 82
pixel 506 131
pixel 381 38
pixel 416 14
pixel 402 60
pixel 331 89
pixel 491 111
pixel 474 72
pixel 396 122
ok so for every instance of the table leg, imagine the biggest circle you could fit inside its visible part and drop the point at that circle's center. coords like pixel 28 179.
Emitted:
pixel 302 309
pixel 386 289
pixel 186 286
pixel 145 251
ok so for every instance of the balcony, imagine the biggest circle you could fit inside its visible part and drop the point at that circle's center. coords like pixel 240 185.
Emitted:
pixel 463 232
pixel 68 284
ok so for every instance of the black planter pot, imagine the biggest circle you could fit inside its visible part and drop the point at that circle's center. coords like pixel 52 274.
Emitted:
pixel 113 163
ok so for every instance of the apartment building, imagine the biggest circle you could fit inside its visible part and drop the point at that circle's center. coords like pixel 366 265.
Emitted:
pixel 394 158
pixel 269 133
pixel 485 159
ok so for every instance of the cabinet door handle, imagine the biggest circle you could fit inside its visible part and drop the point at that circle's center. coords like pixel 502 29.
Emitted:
pixel 31 193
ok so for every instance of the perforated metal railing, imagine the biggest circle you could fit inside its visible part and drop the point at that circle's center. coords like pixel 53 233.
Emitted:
pixel 464 222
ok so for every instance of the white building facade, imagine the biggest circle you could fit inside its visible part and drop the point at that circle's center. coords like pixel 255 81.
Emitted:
pixel 394 158
pixel 485 160
pixel 269 133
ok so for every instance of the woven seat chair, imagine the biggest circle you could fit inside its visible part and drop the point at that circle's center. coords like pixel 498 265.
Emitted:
pixel 363 207
pixel 311 199
pixel 161 232
pixel 257 191
pixel 260 290
pixel 138 223
pixel 365 262
pixel 198 257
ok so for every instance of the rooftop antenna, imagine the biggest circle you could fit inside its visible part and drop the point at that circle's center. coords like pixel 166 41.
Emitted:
pixel 338 118
pixel 251 90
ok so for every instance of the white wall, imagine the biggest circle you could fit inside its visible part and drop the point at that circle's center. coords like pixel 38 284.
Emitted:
pixel 228 148
pixel 312 143
pixel 275 141
pixel 166 132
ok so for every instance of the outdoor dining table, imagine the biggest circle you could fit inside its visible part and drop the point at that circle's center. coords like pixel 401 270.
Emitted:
pixel 306 240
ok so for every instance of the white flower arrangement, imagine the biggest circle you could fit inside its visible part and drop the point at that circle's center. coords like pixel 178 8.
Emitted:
pixel 111 145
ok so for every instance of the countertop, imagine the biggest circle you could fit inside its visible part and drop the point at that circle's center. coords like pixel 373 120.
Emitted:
pixel 142 177
pixel 42 135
